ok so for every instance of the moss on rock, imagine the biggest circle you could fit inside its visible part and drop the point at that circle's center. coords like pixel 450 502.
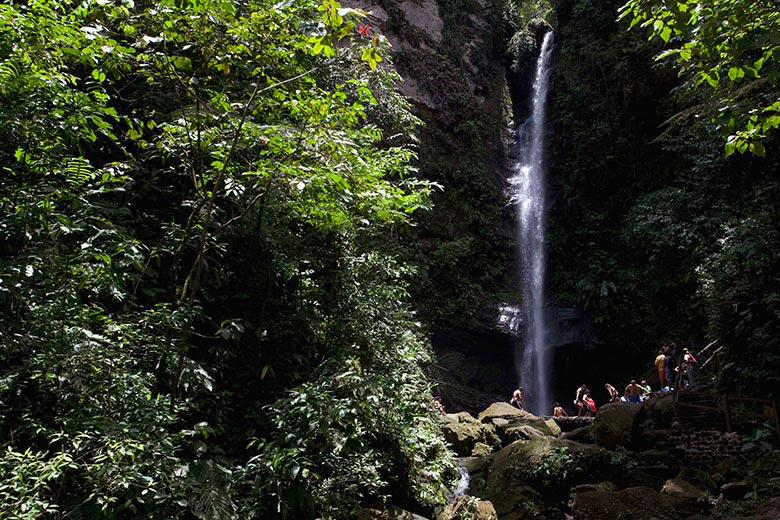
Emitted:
pixel 615 424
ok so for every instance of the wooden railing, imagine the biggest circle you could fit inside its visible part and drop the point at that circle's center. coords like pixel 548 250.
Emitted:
pixel 724 405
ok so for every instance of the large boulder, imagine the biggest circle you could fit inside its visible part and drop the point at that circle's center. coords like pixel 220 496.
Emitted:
pixel 530 476
pixel 682 489
pixel 583 434
pixel 660 411
pixel 615 424
pixel 465 432
pixel 699 478
pixel 512 424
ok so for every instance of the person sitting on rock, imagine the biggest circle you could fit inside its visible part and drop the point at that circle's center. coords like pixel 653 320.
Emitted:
pixel 634 392
pixel 558 411
pixel 647 392
pixel 517 397
pixel 613 393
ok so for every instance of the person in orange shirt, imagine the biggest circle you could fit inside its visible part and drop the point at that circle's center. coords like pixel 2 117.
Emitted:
pixel 660 364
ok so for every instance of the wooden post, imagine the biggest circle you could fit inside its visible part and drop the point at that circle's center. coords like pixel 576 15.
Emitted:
pixel 727 413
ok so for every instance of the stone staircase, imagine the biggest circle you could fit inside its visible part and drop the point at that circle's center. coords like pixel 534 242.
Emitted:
pixel 701 410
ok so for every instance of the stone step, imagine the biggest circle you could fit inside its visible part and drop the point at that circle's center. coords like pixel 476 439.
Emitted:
pixel 664 471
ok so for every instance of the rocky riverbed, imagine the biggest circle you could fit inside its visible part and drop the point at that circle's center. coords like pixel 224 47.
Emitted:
pixel 631 462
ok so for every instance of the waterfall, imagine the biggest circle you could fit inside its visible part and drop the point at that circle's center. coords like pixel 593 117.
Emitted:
pixel 528 197
pixel 462 486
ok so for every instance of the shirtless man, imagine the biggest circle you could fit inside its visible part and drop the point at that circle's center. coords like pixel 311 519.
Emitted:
pixel 578 399
pixel 517 397
pixel 634 392
pixel 613 393
pixel 558 411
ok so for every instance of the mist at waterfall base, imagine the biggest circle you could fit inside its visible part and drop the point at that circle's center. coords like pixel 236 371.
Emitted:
pixel 527 194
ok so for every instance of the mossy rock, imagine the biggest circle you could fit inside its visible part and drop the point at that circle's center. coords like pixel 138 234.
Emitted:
pixel 700 479
pixel 481 449
pixel 582 435
pixel 474 465
pixel 500 410
pixel 598 486
pixel 541 472
pixel 468 508
pixel 615 424
pixel 515 433
pixel 464 434
pixel 682 489
pixel 512 424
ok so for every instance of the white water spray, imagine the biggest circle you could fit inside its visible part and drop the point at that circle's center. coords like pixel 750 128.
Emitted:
pixel 528 197
pixel 463 484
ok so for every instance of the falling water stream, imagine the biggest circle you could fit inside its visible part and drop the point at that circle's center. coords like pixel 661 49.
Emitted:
pixel 532 359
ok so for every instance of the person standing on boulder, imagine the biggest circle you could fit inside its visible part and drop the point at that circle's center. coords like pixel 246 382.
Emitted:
pixel 613 393
pixel 590 404
pixel 670 365
pixel 660 362
pixel 578 399
pixel 689 363
pixel 517 397
pixel 634 392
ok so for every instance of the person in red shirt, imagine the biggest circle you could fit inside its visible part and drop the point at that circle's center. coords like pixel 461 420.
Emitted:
pixel 590 405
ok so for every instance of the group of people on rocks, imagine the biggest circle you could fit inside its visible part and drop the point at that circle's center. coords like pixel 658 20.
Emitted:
pixel 669 371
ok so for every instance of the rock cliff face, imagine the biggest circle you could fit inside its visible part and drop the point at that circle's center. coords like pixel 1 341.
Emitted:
pixel 454 58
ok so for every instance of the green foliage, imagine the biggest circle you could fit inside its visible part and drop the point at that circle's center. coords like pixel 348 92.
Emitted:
pixel 555 467
pixel 741 288
pixel 659 236
pixel 199 212
pixel 729 48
